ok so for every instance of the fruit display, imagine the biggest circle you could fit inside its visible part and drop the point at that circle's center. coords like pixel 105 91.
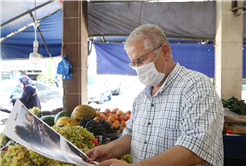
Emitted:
pixel 49 119
pixel 97 127
pixel 15 154
pixel 35 110
pixel 77 135
pixel 83 111
pixel 18 155
pixel 61 114
pixel 63 121
pixel 82 128
pixel 112 136
pixel 115 117
pixel 127 158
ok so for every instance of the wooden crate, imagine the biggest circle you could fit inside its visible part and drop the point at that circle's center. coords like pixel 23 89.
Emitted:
pixel 241 130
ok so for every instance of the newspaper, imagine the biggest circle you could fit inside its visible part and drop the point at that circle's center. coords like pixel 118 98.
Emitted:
pixel 28 130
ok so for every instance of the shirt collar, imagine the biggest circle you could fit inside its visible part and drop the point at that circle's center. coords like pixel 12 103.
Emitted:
pixel 167 82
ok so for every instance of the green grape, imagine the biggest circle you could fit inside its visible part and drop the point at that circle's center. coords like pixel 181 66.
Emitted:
pixel 127 158
pixel 40 160
pixel 16 155
pixel 35 110
pixel 77 135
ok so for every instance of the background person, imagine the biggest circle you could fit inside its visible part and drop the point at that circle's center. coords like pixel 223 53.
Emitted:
pixel 29 95
pixel 176 120
pixel 56 81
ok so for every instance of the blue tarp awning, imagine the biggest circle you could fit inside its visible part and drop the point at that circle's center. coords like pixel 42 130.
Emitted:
pixel 113 59
pixel 21 44
pixel 15 15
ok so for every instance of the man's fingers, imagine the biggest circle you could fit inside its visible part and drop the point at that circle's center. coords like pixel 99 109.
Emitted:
pixel 105 163
pixel 93 154
pixel 89 153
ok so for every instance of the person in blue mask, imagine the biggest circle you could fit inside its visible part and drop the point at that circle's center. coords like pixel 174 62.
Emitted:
pixel 177 119
pixel 29 96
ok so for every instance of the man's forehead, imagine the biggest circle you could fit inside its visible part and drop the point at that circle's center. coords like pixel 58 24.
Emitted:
pixel 136 47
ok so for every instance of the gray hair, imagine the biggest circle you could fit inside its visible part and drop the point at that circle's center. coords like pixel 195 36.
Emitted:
pixel 152 37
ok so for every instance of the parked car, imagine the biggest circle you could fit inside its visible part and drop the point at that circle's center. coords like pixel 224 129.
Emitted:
pixel 116 87
pixel 98 89
pixel 50 98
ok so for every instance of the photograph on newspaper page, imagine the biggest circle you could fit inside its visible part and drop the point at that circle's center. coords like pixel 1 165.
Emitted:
pixel 28 130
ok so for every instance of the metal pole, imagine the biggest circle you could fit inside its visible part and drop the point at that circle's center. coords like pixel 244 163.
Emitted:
pixel 23 14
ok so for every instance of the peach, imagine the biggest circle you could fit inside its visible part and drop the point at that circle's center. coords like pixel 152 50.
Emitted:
pixel 127 117
pixel 115 110
pixel 111 118
pixel 116 121
pixel 96 118
pixel 98 113
pixel 109 114
pixel 116 124
pixel 123 122
pixel 109 122
pixel 128 112
pixel 107 111
pixel 122 117
pixel 119 112
pixel 102 116
pixel 115 116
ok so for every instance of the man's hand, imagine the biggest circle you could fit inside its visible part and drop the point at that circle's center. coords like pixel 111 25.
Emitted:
pixel 113 162
pixel 99 153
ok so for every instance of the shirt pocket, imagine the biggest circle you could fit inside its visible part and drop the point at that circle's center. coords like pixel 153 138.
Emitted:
pixel 166 138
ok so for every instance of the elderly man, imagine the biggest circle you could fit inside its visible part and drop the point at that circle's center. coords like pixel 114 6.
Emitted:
pixel 176 120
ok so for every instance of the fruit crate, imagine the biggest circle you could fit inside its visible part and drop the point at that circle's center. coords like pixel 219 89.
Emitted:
pixel 238 123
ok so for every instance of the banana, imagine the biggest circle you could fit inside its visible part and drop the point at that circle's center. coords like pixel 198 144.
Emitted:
pixel 2 139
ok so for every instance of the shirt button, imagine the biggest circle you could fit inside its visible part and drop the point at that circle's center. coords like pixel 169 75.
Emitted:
pixel 145 142
pixel 149 123
pixel 152 105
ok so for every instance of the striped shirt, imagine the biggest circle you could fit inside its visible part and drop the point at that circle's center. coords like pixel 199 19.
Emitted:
pixel 186 111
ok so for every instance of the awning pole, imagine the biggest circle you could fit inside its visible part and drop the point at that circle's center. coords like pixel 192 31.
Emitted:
pixel 23 14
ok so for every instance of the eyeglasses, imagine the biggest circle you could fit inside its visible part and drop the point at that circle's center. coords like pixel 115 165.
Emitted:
pixel 140 60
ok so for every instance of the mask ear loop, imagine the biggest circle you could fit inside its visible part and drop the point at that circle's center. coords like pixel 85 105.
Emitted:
pixel 165 67
pixel 157 55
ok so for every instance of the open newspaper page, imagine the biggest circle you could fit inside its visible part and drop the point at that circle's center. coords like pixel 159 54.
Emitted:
pixel 28 130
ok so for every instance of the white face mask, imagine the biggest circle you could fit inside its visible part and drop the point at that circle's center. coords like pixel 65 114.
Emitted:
pixel 148 75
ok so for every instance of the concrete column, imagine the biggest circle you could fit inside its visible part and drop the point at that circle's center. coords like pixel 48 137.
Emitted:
pixel 228 51
pixel 75 48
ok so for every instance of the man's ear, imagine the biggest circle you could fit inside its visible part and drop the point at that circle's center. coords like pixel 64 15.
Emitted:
pixel 166 52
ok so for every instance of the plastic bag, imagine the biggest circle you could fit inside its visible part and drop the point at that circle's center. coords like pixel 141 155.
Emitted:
pixel 234 122
pixel 65 68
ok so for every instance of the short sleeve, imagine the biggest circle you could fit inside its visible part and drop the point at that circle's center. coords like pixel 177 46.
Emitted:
pixel 202 120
